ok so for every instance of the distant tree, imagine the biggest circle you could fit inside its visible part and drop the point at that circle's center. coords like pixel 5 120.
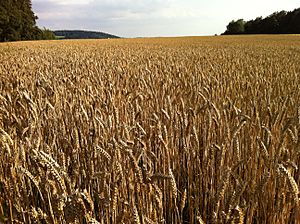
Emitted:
pixel 280 16
pixel 82 34
pixel 272 24
pixel 295 21
pixel 236 27
pixel 47 34
pixel 253 26
pixel 278 22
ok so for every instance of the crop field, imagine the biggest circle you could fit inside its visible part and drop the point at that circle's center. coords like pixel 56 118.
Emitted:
pixel 163 130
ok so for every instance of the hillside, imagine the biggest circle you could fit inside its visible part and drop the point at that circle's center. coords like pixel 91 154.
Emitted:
pixel 82 34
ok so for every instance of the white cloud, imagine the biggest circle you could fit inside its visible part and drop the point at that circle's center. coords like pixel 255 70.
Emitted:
pixel 152 17
pixel 67 2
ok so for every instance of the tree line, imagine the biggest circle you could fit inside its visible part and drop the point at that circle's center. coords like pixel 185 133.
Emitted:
pixel 82 34
pixel 282 22
pixel 18 22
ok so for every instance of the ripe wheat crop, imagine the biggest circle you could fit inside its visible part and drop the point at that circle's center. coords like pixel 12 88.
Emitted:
pixel 165 130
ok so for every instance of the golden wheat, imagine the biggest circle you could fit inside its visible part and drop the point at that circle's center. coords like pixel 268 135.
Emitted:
pixel 162 130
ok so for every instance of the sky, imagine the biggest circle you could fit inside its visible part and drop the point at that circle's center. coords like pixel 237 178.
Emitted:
pixel 152 18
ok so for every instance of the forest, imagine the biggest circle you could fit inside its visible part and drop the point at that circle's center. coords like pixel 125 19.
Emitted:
pixel 282 22
pixel 81 34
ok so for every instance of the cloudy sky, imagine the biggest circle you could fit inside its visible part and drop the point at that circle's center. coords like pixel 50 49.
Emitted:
pixel 140 18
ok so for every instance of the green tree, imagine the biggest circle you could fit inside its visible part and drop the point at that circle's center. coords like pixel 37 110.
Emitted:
pixel 47 34
pixel 4 19
pixel 236 27
pixel 295 21
pixel 18 22
pixel 277 23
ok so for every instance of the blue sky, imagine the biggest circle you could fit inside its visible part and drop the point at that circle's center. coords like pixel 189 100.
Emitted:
pixel 141 18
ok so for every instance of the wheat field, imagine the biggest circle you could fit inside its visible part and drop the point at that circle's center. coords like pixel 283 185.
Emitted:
pixel 162 130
